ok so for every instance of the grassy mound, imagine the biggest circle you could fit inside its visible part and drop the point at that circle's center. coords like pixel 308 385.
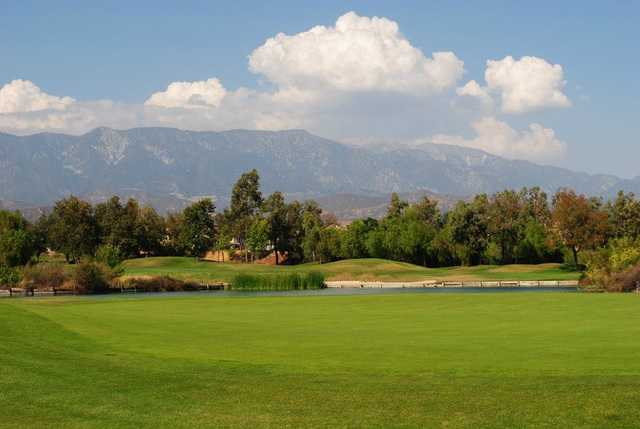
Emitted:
pixel 352 269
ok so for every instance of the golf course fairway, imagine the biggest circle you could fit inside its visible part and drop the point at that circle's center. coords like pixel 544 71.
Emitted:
pixel 455 360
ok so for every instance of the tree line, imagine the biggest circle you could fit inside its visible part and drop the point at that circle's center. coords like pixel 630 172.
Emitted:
pixel 524 226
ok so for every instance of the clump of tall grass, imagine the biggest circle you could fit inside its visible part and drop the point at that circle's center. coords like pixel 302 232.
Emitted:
pixel 285 281
pixel 158 284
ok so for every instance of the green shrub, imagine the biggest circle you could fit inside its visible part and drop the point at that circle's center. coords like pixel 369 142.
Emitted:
pixel 92 277
pixel 109 255
pixel 9 277
pixel 286 281
pixel 158 284
pixel 614 268
pixel 44 276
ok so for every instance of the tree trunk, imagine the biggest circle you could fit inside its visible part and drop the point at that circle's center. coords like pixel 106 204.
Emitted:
pixel 575 255
pixel 276 250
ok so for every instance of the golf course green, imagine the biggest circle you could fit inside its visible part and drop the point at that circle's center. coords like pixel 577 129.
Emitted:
pixel 350 269
pixel 490 360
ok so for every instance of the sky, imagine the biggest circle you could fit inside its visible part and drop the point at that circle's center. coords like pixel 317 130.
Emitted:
pixel 551 82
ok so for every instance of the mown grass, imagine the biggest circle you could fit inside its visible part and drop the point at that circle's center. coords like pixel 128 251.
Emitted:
pixel 353 269
pixel 406 360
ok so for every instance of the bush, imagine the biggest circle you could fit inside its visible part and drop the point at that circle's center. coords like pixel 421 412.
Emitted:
pixel 92 277
pixel 44 276
pixel 288 281
pixel 625 253
pixel 159 284
pixel 109 255
pixel 8 276
pixel 614 268
pixel 625 281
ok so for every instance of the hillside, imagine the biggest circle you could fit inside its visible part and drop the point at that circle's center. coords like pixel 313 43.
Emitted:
pixel 353 269
pixel 170 167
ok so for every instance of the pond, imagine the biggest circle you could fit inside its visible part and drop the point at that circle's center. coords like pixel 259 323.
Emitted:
pixel 337 292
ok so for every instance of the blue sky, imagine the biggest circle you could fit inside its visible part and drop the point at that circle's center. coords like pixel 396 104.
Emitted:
pixel 124 53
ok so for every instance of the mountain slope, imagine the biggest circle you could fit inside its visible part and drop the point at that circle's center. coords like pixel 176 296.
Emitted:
pixel 170 166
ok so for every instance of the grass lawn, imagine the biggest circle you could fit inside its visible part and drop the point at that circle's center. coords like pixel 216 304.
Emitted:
pixel 510 360
pixel 353 269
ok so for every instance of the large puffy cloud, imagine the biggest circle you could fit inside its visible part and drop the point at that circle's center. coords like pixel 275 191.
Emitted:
pixel 20 96
pixel 535 143
pixel 189 95
pixel 358 54
pixel 523 85
pixel 529 83
pixel 360 79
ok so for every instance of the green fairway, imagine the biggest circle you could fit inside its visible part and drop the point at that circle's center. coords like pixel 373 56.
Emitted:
pixel 353 269
pixel 510 360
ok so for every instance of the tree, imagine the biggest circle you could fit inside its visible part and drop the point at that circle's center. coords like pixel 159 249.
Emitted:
pixel 624 216
pixel 17 242
pixel 198 228
pixel 9 276
pixel 578 222
pixel 150 230
pixel 536 205
pixel 294 232
pixel 417 233
pixel 121 225
pixel 224 234
pixel 329 244
pixel 246 200
pixel 427 211
pixel 311 226
pixel 354 240
pixel 467 225
pixel 73 229
pixel 173 244
pixel 275 210
pixel 396 206
pixel 258 236
pixel 375 242
pixel 535 246
pixel 505 222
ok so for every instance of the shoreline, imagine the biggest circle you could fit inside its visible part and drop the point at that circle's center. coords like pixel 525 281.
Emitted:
pixel 341 284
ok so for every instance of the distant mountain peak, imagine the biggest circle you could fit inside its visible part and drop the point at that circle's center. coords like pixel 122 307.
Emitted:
pixel 158 163
pixel 111 144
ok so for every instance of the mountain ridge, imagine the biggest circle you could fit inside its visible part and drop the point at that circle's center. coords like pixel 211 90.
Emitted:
pixel 164 163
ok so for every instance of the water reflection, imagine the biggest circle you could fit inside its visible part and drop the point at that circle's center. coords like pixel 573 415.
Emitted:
pixel 344 292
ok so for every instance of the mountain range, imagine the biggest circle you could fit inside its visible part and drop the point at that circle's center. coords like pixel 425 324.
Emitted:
pixel 168 167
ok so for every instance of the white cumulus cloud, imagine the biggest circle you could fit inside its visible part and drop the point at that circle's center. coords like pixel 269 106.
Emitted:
pixel 534 144
pixel 357 54
pixel 189 95
pixel 527 84
pixel 473 89
pixel 20 96
pixel 359 79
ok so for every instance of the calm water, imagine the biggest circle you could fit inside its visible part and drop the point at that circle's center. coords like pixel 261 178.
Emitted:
pixel 333 292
